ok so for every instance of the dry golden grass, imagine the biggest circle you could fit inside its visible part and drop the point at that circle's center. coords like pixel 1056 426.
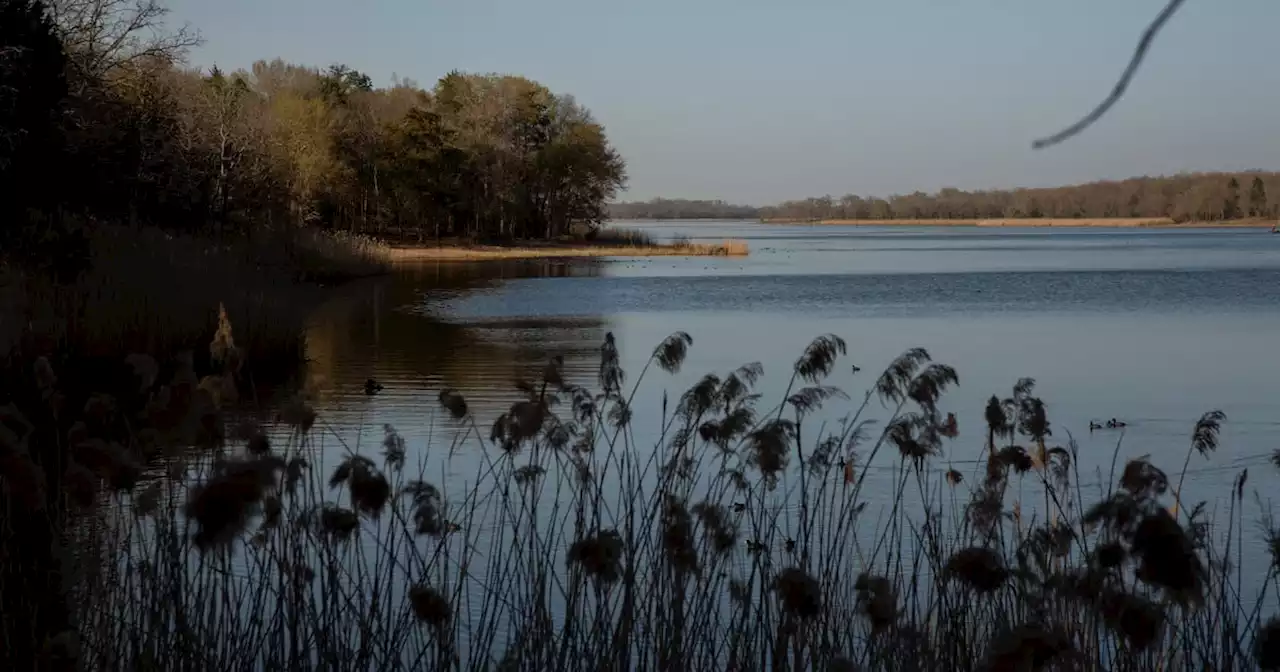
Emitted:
pixel 333 255
pixel 1102 222
pixel 461 252
pixel 735 248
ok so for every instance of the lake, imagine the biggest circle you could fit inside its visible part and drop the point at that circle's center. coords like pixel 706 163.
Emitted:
pixel 1153 327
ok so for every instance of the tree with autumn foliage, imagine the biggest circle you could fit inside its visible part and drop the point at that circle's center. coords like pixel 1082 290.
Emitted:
pixel 149 141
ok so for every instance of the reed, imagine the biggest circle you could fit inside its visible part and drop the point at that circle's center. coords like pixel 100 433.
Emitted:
pixel 621 236
pixel 740 539
pixel 595 249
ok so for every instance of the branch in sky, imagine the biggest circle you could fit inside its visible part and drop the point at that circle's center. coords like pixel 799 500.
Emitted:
pixel 1140 53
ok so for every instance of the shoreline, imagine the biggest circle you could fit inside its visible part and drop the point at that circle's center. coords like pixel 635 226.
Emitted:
pixel 1102 223
pixel 447 252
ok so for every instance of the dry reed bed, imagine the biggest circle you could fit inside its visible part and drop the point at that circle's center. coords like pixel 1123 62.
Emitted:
pixel 728 248
pixel 738 541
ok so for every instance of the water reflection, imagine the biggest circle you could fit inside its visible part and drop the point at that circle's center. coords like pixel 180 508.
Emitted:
pixel 1156 347
pixel 379 329
pixel 1100 341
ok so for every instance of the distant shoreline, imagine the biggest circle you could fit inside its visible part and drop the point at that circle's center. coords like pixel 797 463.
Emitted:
pixel 463 252
pixel 661 220
pixel 1114 223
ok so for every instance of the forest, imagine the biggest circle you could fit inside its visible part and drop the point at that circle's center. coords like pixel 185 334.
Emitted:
pixel 97 96
pixel 1188 197
pixel 1207 197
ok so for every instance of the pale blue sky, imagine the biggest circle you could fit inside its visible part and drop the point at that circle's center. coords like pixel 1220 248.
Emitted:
pixel 754 101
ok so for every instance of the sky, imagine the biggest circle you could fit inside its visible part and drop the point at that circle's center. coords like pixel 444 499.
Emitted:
pixel 755 101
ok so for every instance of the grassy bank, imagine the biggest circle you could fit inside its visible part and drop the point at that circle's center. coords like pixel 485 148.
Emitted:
pixel 738 541
pixel 1110 222
pixel 729 248
pixel 607 243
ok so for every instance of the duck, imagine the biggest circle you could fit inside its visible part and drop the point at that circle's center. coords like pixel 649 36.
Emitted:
pixel 754 546
pixel 739 507
pixel 1094 425
pixel 1116 424
pixel 791 545
pixel 372 387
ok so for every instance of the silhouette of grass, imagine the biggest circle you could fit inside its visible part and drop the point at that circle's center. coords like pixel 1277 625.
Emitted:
pixel 737 541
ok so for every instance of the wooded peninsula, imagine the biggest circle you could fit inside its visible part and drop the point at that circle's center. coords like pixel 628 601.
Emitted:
pixel 103 100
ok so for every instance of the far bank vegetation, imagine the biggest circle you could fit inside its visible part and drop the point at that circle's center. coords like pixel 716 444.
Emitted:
pixel 1139 201
pixel 1190 197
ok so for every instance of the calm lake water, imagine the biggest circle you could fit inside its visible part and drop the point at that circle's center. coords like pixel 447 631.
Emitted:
pixel 1153 327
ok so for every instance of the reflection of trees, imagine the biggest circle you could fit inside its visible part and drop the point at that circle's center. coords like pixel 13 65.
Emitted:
pixel 415 278
pixel 374 329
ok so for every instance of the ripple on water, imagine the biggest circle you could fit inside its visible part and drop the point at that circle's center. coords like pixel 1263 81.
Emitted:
pixel 1153 327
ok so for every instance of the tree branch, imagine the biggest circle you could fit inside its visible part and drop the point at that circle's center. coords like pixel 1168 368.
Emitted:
pixel 1116 92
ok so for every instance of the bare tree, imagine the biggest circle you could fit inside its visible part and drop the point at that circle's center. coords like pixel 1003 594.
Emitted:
pixel 104 35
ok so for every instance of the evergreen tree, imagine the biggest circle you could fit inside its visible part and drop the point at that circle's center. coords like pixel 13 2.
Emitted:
pixel 1258 198
pixel 1231 205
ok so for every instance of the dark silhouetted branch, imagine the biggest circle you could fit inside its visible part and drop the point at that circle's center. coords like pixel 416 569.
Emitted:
pixel 1140 53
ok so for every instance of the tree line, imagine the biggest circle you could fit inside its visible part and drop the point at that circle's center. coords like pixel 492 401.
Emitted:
pixel 102 122
pixel 1186 197
pixel 680 208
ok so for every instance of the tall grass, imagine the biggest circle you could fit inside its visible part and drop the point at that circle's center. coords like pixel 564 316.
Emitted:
pixel 609 242
pixel 323 256
pixel 617 236
pixel 729 247
pixel 622 236
pixel 740 539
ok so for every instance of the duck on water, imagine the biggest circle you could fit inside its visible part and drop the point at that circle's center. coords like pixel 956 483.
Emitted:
pixel 1110 424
